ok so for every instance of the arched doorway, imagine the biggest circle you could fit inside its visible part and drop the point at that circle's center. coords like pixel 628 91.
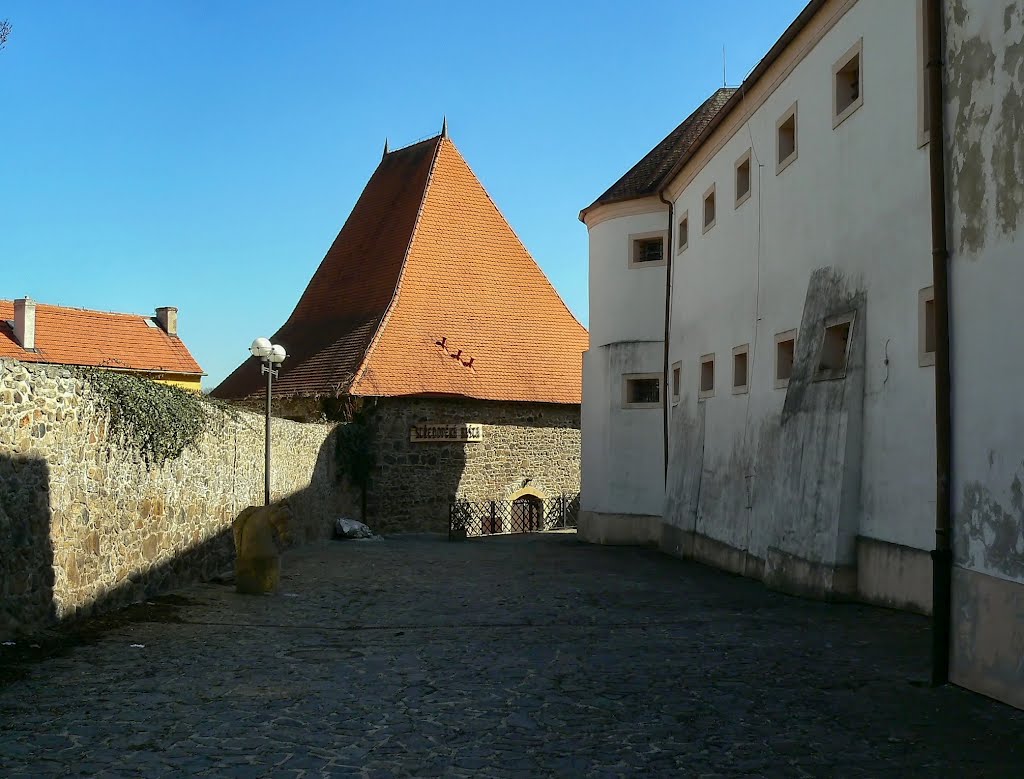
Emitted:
pixel 527 514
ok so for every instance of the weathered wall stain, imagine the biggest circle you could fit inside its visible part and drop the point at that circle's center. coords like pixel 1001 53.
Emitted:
pixel 988 193
pixel 790 481
pixel 989 535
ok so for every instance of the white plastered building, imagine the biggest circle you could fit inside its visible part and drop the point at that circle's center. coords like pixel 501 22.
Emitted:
pixel 789 225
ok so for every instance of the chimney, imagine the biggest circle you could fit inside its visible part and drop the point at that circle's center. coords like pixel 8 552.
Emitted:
pixel 25 322
pixel 167 318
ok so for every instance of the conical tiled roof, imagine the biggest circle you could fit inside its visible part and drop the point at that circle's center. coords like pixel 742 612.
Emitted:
pixel 427 291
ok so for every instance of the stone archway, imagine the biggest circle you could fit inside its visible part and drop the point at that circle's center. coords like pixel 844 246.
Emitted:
pixel 527 514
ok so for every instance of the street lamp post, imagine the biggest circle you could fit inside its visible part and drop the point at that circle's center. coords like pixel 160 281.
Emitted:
pixel 269 356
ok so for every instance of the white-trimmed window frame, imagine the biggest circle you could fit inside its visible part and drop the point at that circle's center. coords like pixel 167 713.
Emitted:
pixel 703 394
pixel 631 248
pixel 789 113
pixel 785 335
pixel 627 377
pixel 925 296
pixel 743 198
pixel 741 389
pixel 677 386
pixel 682 246
pixel 850 318
pixel 856 50
pixel 705 224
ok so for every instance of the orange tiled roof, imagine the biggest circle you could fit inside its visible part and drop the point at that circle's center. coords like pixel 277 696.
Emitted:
pixel 78 336
pixel 466 310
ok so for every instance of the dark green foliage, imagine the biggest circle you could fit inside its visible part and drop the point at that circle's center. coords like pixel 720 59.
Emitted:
pixel 156 420
pixel 354 451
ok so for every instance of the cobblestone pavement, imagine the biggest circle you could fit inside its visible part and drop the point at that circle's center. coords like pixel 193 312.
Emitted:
pixel 529 656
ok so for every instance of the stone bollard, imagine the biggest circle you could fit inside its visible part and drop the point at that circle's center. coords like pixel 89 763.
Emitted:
pixel 258 532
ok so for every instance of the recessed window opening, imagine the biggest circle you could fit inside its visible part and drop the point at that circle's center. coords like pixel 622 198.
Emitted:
pixel 642 390
pixel 648 250
pixel 835 348
pixel 785 356
pixel 707 376
pixel 709 208
pixel 739 369
pixel 786 139
pixel 683 232
pixel 677 370
pixel 743 179
pixel 847 95
pixel 926 338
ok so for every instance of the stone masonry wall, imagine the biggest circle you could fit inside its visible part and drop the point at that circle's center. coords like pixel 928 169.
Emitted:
pixel 86 525
pixel 524 444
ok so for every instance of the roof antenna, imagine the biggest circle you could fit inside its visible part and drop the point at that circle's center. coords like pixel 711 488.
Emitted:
pixel 725 81
pixel 444 126
pixel 385 148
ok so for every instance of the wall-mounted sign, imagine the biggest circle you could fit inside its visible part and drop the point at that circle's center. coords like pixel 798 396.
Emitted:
pixel 460 433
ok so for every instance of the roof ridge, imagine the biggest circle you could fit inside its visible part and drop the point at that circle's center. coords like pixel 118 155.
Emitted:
pixel 518 239
pixel 365 361
pixel 82 308
pixel 417 142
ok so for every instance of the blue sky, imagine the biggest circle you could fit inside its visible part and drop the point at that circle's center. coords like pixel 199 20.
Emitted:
pixel 205 154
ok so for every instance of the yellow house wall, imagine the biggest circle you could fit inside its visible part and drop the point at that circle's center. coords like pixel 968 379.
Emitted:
pixel 184 381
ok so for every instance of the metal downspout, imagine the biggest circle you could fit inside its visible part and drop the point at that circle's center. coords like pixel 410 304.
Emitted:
pixel 942 555
pixel 666 389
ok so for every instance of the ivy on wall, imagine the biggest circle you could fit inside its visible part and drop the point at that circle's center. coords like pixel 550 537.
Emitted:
pixel 354 451
pixel 155 420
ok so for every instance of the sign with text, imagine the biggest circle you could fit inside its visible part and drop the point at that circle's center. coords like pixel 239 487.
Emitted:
pixel 457 433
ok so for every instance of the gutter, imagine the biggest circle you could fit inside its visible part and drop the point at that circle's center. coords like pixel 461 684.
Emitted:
pixel 668 326
pixel 942 555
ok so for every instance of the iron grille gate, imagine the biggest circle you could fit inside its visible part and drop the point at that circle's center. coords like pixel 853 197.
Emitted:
pixel 527 514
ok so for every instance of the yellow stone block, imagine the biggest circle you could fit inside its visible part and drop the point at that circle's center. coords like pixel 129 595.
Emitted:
pixel 259 531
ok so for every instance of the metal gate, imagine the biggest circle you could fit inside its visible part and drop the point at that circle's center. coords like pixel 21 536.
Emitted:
pixel 526 514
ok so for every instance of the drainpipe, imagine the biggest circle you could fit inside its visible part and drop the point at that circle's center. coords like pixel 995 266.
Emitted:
pixel 942 555
pixel 666 389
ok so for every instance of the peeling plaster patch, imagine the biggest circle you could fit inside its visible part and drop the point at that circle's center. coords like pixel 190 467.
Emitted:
pixel 970 79
pixel 985 84
pixel 990 537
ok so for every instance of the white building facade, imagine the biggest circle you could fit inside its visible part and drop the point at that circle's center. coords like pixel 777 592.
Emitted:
pixel 985 140
pixel 800 397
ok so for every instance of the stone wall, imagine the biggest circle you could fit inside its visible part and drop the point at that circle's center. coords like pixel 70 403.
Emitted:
pixel 532 445
pixel 85 524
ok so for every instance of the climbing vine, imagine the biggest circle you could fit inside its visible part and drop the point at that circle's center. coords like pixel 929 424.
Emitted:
pixel 354 451
pixel 156 420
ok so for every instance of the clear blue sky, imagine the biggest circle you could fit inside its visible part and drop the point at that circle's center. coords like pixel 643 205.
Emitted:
pixel 205 154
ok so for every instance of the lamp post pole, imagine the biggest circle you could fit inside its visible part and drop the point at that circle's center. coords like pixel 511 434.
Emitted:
pixel 269 355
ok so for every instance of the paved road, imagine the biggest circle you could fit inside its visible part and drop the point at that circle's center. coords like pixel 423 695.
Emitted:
pixel 529 656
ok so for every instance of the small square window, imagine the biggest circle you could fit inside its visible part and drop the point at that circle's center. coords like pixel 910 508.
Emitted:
pixel 743 179
pixel 709 208
pixel 647 250
pixel 683 232
pixel 786 137
pixel 926 326
pixel 677 372
pixel 835 348
pixel 641 390
pixel 740 369
pixel 847 84
pixel 707 376
pixel 785 356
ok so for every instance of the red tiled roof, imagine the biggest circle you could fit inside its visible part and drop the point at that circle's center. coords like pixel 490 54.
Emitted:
pixel 78 336
pixel 649 174
pixel 327 334
pixel 466 310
